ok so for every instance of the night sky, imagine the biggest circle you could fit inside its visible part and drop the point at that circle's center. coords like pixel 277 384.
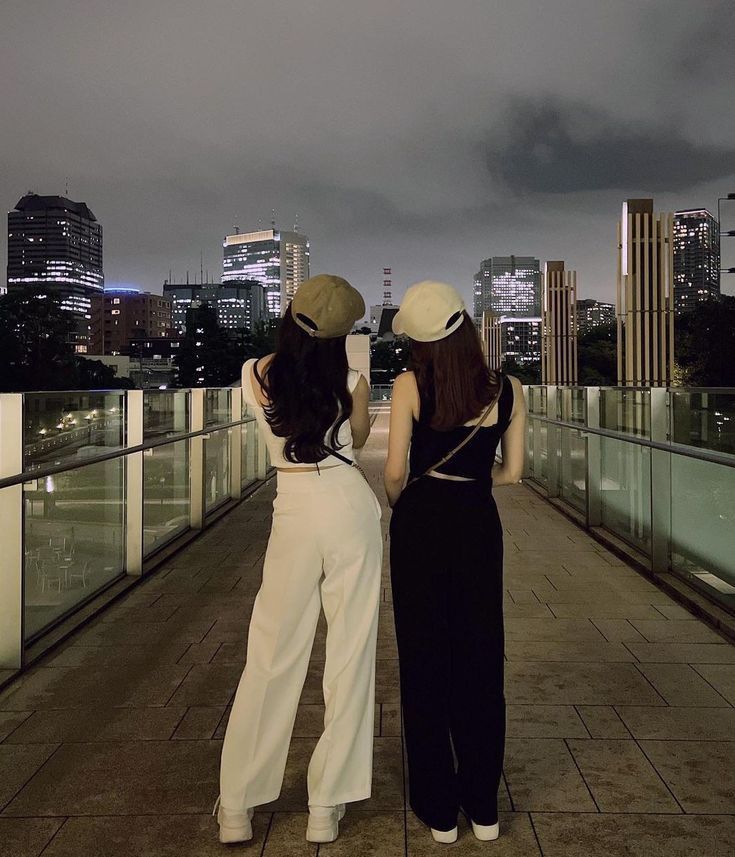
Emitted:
pixel 421 134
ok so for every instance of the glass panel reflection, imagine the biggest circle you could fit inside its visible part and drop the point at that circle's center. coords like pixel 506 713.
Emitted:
pixel 625 491
pixel 703 523
pixel 73 539
pixel 573 469
pixel 216 469
pixel 62 426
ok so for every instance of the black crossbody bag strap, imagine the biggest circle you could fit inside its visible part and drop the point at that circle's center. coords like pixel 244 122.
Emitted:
pixel 465 441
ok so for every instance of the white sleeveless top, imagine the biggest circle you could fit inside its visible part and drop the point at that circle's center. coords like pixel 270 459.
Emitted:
pixel 276 444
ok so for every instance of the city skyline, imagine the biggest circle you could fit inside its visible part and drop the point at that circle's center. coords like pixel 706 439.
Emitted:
pixel 427 139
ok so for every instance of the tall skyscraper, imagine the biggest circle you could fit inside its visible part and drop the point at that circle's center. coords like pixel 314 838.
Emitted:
pixel 559 330
pixel 56 243
pixel 238 304
pixel 510 286
pixel 696 258
pixel 121 315
pixel 276 259
pixel 592 313
pixel 645 295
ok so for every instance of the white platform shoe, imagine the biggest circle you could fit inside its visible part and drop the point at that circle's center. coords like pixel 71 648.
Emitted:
pixel 486 832
pixel 324 822
pixel 445 837
pixel 235 828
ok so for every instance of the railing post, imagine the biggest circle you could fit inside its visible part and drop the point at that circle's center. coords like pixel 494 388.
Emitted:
pixel 236 444
pixel 660 482
pixel 196 461
pixel 11 521
pixel 529 437
pixel 594 461
pixel 553 434
pixel 134 484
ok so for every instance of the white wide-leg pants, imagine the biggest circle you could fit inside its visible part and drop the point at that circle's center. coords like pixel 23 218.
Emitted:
pixel 325 550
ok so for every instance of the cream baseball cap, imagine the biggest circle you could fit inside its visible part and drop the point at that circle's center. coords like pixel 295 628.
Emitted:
pixel 429 311
pixel 327 306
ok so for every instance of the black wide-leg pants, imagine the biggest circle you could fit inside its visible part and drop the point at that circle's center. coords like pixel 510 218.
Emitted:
pixel 446 558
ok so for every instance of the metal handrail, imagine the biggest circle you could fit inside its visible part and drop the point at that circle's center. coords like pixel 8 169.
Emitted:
pixel 678 448
pixel 52 470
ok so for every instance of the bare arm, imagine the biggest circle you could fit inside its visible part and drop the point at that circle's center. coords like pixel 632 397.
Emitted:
pixel 402 410
pixel 513 441
pixel 359 418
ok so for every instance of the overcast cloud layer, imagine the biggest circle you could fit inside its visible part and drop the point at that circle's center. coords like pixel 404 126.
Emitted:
pixel 421 134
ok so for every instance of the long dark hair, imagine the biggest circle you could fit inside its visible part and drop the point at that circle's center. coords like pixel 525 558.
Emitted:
pixel 455 384
pixel 306 384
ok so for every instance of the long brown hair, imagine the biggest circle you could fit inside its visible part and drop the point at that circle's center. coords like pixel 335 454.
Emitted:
pixel 306 382
pixel 453 378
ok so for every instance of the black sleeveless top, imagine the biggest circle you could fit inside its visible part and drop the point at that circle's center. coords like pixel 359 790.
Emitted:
pixel 475 459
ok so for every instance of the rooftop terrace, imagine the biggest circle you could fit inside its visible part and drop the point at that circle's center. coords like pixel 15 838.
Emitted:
pixel 621 725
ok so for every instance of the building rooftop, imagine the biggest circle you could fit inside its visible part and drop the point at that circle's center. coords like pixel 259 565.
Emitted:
pixel 36 202
pixel 620 711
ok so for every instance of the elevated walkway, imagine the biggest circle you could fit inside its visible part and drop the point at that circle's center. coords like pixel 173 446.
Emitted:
pixel 621 725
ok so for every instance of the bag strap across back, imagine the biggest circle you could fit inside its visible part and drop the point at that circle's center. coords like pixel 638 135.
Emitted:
pixel 464 441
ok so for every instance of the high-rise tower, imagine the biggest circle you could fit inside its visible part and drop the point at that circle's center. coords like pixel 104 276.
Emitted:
pixel 276 259
pixel 696 258
pixel 510 286
pixel 56 243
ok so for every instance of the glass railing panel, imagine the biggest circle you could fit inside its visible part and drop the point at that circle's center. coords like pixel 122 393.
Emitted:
pixel 539 455
pixel 74 539
pixel 625 491
pixel 626 410
pixel 249 440
pixel 704 418
pixel 216 469
pixel 537 401
pixel 703 523
pixel 62 426
pixel 165 413
pixel 573 468
pixel 571 405
pixel 217 409
pixel 166 499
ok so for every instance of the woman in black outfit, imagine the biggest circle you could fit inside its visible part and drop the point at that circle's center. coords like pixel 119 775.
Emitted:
pixel 447 558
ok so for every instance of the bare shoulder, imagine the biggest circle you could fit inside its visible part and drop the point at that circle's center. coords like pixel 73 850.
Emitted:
pixel 405 383
pixel 519 402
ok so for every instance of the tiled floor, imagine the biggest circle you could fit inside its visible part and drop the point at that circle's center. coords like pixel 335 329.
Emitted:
pixel 621 726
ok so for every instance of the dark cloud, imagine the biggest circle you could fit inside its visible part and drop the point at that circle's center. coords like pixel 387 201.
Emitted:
pixel 565 148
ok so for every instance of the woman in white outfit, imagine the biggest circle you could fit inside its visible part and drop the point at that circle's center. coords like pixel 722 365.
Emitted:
pixel 324 551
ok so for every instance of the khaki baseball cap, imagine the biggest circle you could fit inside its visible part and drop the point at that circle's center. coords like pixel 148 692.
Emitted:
pixel 327 306
pixel 429 311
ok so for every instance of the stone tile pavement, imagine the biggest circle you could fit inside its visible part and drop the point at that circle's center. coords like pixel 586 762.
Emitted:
pixel 621 725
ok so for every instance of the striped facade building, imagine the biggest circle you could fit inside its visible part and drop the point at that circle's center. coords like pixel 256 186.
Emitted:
pixel 645 295
pixel 559 326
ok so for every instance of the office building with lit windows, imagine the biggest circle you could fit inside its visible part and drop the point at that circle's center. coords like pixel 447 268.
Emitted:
pixel 508 286
pixel 276 259
pixel 592 314
pixel 56 244
pixel 121 315
pixel 696 258
pixel 239 304
pixel 509 338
